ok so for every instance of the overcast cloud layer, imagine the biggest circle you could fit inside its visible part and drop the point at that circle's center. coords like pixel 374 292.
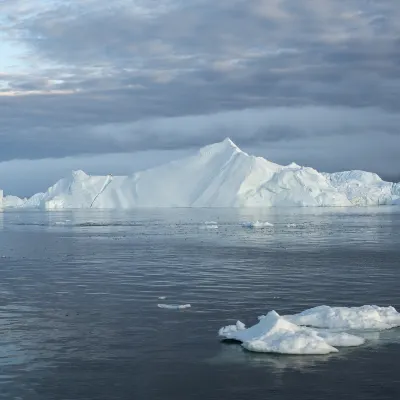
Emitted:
pixel 314 81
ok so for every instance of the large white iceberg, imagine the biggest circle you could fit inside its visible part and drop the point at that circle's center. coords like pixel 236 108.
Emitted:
pixel 299 333
pixel 218 175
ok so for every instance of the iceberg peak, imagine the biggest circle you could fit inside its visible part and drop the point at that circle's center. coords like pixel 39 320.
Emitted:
pixel 79 174
pixel 227 145
pixel 229 142
pixel 293 165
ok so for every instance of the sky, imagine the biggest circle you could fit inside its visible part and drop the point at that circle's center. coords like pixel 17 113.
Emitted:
pixel 118 86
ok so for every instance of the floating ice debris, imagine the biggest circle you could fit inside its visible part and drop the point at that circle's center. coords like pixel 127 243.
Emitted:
pixel 291 225
pixel 359 318
pixel 62 222
pixel 229 332
pixel 273 334
pixel 340 339
pixel 257 224
pixel 162 297
pixel 210 225
pixel 174 306
pixel 299 333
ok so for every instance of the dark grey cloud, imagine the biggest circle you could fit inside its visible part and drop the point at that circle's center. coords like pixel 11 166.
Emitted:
pixel 97 77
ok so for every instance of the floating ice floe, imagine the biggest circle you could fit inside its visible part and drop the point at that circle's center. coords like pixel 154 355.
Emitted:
pixel 66 222
pixel 174 306
pixel 291 225
pixel 356 318
pixel 274 334
pixel 257 224
pixel 292 334
pixel 162 297
pixel 210 225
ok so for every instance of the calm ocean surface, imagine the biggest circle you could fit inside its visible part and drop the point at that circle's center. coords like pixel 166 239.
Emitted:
pixel 79 293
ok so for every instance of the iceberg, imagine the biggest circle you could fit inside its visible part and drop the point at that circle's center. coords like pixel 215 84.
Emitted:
pixel 210 225
pixel 301 333
pixel 217 175
pixel 174 306
pixel 257 224
pixel 10 201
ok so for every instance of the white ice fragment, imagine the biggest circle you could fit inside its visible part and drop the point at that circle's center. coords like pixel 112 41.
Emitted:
pixel 230 329
pixel 62 222
pixel 358 318
pixel 341 339
pixel 257 224
pixel 174 306
pixel 302 334
pixel 162 297
pixel 210 225
pixel 273 334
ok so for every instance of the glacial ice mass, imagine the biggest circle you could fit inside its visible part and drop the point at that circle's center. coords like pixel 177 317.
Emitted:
pixel 218 175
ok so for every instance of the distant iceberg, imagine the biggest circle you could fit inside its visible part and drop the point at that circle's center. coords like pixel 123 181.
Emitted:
pixel 257 224
pixel 209 225
pixel 10 201
pixel 299 333
pixel 218 175
pixel 174 306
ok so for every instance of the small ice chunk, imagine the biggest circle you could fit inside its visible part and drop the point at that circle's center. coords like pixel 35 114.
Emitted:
pixel 210 225
pixel 291 225
pixel 230 329
pixel 357 318
pixel 61 222
pixel 174 306
pixel 257 224
pixel 162 297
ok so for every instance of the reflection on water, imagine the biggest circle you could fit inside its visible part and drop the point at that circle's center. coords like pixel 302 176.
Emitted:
pixel 235 354
pixel 79 294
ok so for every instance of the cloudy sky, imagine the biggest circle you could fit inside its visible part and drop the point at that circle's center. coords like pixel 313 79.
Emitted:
pixel 116 86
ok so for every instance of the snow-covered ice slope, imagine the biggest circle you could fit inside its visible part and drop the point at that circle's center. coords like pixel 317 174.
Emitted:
pixel 218 175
